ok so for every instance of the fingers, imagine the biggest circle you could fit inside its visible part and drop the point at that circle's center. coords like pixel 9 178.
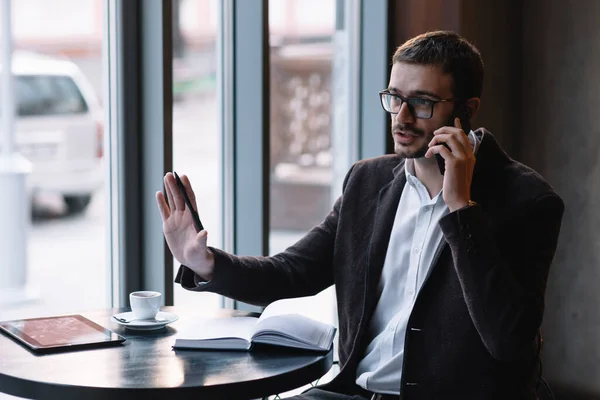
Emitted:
pixel 441 150
pixel 455 138
pixel 454 142
pixel 457 123
pixel 169 193
pixel 190 192
pixel 462 136
pixel 163 207
pixel 176 200
pixel 456 130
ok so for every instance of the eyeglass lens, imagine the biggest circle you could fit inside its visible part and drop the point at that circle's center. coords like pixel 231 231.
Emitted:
pixel 420 108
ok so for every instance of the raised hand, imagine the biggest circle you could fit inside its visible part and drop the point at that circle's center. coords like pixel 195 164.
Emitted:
pixel 186 245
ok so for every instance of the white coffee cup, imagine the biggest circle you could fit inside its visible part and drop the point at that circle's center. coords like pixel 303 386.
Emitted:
pixel 144 304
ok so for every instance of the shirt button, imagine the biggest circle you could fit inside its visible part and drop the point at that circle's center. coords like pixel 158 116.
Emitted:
pixel 426 208
pixel 410 292
pixel 391 329
pixel 416 250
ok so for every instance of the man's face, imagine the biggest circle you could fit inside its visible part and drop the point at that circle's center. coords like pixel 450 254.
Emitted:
pixel 412 135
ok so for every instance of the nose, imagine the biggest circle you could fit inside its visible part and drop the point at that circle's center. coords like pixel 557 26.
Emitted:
pixel 404 115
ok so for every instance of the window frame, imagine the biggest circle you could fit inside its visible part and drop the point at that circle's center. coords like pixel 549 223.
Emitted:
pixel 139 89
pixel 140 142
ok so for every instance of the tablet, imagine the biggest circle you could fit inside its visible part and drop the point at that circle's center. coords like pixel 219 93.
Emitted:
pixel 60 333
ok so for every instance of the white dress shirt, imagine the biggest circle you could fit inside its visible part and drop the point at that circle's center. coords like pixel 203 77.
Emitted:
pixel 415 241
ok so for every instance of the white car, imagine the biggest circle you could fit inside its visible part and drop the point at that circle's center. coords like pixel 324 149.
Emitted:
pixel 58 128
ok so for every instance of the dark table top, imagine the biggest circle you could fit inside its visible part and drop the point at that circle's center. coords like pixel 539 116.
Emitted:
pixel 146 365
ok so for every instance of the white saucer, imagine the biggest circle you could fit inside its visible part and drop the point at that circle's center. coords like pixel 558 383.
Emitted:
pixel 163 318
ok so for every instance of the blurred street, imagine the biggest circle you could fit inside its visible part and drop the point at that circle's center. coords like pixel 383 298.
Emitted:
pixel 68 254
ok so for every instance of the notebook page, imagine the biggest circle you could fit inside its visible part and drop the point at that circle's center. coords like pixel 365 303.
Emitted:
pixel 280 329
pixel 214 328
pixel 310 306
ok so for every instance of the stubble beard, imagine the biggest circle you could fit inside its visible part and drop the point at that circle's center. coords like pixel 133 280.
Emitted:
pixel 406 151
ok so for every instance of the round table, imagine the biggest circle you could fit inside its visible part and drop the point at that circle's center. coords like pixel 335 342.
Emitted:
pixel 146 366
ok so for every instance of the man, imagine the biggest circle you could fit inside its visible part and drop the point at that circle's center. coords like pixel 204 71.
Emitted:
pixel 440 278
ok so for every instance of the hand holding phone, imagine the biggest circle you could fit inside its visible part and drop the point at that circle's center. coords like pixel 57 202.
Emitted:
pixel 188 203
pixel 465 122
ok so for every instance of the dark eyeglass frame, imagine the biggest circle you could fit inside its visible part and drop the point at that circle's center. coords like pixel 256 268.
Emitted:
pixel 408 102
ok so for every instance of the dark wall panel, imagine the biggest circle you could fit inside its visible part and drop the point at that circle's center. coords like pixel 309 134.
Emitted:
pixel 494 27
pixel 561 139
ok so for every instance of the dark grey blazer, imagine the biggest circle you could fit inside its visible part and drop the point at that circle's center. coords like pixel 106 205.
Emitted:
pixel 471 334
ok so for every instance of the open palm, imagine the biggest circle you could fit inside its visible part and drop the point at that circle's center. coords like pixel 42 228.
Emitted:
pixel 186 245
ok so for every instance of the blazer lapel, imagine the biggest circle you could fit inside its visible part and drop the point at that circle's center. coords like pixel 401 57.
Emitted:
pixel 490 157
pixel 387 205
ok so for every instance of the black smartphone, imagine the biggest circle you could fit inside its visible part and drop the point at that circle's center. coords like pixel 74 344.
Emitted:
pixel 465 122
pixel 188 203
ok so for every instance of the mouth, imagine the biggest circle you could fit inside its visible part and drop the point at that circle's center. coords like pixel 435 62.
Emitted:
pixel 406 133
pixel 405 137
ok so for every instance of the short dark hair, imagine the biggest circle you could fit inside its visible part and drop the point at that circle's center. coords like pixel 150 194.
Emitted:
pixel 453 54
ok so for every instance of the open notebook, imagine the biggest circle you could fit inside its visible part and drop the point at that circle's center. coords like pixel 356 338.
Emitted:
pixel 276 326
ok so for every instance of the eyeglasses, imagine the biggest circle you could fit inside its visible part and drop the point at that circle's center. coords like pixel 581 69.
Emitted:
pixel 418 107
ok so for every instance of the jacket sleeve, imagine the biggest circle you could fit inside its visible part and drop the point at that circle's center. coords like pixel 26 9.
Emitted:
pixel 303 269
pixel 503 278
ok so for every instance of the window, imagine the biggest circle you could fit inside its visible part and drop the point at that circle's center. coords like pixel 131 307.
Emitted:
pixel 303 188
pixel 53 257
pixel 196 133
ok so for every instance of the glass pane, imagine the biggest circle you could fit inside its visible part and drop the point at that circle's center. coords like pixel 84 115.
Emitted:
pixel 196 134
pixel 48 95
pixel 302 50
pixel 53 251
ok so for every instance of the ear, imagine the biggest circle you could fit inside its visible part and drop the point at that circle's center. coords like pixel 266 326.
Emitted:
pixel 472 106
